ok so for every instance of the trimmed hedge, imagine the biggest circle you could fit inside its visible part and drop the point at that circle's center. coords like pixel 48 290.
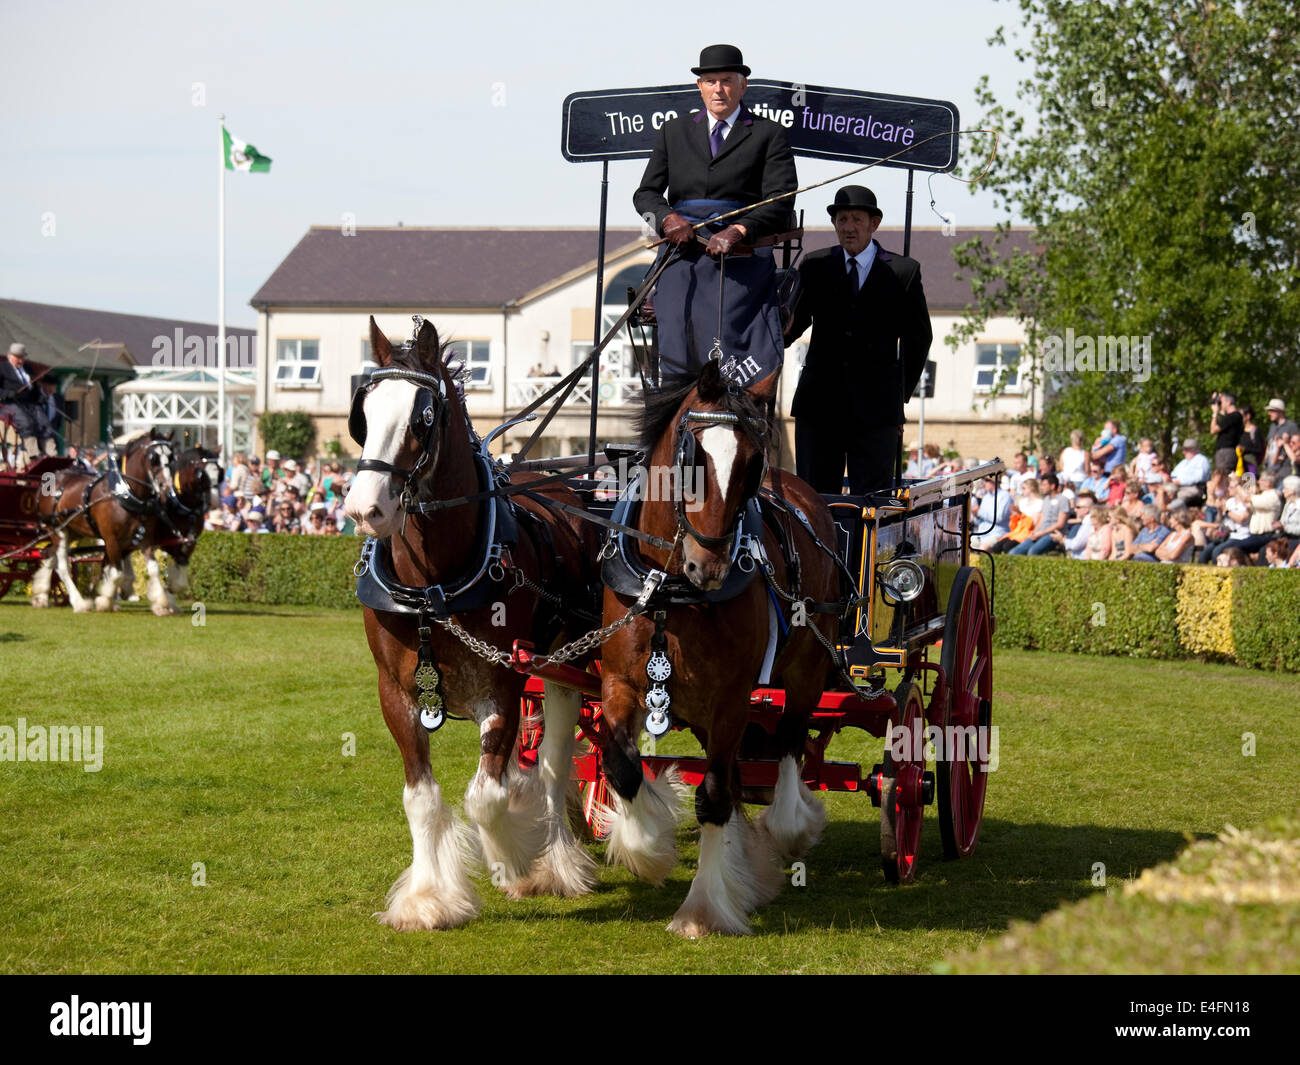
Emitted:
pixel 1248 615
pixel 1097 608
pixel 275 568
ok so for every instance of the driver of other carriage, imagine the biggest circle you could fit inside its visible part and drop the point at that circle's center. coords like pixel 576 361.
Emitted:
pixel 710 163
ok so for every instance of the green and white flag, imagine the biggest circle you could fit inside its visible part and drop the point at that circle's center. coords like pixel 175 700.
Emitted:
pixel 243 156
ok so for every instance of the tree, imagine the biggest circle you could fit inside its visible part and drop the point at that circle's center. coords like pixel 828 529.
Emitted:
pixel 1158 159
pixel 290 432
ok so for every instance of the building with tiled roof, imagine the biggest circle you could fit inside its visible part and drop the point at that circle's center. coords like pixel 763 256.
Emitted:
pixel 519 304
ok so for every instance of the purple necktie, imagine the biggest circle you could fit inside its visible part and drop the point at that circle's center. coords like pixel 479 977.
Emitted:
pixel 716 137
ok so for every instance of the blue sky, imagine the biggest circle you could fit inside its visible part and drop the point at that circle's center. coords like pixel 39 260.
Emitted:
pixel 386 110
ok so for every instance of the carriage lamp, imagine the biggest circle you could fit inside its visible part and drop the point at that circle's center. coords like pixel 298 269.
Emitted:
pixel 901 580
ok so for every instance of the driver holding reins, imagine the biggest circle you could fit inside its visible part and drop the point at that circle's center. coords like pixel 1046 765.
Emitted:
pixel 710 163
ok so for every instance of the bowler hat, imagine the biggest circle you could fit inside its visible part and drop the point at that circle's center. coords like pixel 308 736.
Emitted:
pixel 717 58
pixel 18 349
pixel 855 198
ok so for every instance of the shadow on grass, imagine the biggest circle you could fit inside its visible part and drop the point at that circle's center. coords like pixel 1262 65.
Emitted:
pixel 1018 872
pixel 13 637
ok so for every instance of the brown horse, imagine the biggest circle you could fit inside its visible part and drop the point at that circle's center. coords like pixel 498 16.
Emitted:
pixel 447 590
pixel 113 506
pixel 192 479
pixel 718 644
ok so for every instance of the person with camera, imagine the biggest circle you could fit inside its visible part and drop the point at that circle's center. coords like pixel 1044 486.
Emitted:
pixel 1227 423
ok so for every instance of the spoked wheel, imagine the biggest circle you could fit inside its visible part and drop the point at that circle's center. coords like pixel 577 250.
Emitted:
pixel 967 660
pixel 593 797
pixel 904 787
pixel 5 582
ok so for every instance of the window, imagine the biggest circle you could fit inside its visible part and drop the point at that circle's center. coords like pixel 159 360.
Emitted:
pixel 477 357
pixel 297 363
pixel 368 364
pixel 997 363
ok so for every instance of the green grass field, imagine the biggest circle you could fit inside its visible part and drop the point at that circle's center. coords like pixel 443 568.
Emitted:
pixel 224 745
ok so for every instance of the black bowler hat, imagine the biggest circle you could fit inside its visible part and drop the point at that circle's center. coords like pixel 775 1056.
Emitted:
pixel 855 198
pixel 717 58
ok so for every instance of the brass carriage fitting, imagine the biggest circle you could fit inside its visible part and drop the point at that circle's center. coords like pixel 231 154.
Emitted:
pixel 901 580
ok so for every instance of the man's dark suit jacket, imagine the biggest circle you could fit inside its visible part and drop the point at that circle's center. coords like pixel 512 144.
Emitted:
pixel 755 163
pixel 11 389
pixel 851 371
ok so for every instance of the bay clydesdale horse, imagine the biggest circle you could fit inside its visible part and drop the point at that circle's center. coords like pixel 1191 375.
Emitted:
pixel 718 652
pixel 494 575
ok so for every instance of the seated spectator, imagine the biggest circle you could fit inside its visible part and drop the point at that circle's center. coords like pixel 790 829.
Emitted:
pixel 1231 556
pixel 1096 482
pixel 285 520
pixel 1076 537
pixel 1099 543
pixel 240 474
pixel 231 520
pixel 1030 500
pixel 1133 503
pixel 297 478
pixel 1123 531
pixel 991 513
pixel 1191 474
pixel 1179 545
pixel 1110 447
pixel 1074 460
pixel 318 523
pixel 1235 523
pixel 1151 535
pixel 1018 472
pixel 1289 519
pixel 1115 485
pixel 1052 515
pixel 1021 526
pixel 1276 552
pixel 254 520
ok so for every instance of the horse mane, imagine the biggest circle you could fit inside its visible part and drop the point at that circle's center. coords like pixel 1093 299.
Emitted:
pixel 662 405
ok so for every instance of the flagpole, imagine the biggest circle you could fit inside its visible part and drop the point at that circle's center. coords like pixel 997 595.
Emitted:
pixel 221 293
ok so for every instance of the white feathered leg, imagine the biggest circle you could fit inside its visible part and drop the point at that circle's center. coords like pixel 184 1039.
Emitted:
pixel 435 891
pixel 41 581
pixel 795 819
pixel 564 867
pixel 738 873
pixel 80 604
pixel 510 814
pixel 160 599
pixel 106 600
pixel 643 832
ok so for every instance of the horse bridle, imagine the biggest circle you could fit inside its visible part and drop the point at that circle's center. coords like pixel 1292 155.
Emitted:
pixel 686 458
pixel 427 415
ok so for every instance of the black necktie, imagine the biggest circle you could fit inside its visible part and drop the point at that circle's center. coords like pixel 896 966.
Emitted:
pixel 853 276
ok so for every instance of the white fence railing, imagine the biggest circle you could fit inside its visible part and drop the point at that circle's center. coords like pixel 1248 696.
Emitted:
pixel 612 392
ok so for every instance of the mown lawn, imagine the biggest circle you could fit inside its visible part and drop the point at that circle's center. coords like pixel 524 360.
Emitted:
pixel 224 745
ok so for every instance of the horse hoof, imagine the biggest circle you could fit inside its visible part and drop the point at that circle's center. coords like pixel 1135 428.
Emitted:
pixel 426 913
pixel 105 605
pixel 163 611
pixel 40 601
pixel 84 607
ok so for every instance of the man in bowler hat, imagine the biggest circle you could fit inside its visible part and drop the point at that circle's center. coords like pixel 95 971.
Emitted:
pixel 706 164
pixel 24 401
pixel 870 337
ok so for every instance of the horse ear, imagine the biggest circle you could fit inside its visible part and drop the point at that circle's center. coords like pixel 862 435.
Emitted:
pixel 709 384
pixel 427 346
pixel 380 350
pixel 764 389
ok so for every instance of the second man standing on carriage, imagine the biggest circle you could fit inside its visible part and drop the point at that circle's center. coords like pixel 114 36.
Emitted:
pixel 710 163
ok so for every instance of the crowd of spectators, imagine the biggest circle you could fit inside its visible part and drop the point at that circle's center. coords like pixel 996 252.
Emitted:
pixel 282 496
pixel 1108 502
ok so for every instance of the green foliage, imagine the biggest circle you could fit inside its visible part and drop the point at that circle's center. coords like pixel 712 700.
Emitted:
pixel 1265 630
pixel 1101 608
pixel 1157 157
pixel 290 432
pixel 275 568
pixel 1205 605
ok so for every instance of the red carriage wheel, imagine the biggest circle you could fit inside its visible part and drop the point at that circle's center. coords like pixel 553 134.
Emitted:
pixel 967 660
pixel 905 787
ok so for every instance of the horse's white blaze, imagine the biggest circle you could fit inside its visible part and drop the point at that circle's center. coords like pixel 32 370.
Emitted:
pixel 564 867
pixel 642 833
pixel 435 891
pixel 719 443
pixel 737 874
pixel 795 819
pixel 372 499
